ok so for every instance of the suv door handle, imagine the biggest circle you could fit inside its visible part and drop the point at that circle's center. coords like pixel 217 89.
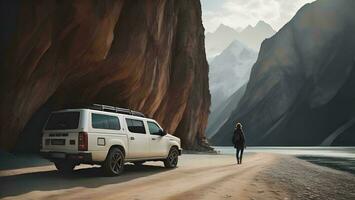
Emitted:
pixel 131 138
pixel 154 139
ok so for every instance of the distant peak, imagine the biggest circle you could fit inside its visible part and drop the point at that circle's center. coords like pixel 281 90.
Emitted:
pixel 223 27
pixel 263 24
pixel 248 28
pixel 237 43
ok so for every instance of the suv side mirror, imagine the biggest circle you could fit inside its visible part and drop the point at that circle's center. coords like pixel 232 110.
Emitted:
pixel 162 132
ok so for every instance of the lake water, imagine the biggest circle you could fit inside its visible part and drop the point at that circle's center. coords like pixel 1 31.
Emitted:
pixel 340 158
pixel 344 152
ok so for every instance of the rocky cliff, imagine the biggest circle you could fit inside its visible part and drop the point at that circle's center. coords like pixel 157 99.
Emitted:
pixel 144 55
pixel 301 88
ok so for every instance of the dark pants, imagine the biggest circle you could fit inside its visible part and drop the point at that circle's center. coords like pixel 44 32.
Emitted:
pixel 241 154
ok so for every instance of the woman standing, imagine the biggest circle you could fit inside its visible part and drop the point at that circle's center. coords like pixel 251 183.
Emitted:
pixel 239 142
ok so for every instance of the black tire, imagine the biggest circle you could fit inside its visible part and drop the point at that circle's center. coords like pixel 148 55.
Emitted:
pixel 138 163
pixel 172 160
pixel 64 166
pixel 114 163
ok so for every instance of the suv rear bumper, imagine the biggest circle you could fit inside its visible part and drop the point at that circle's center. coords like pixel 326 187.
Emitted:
pixel 78 157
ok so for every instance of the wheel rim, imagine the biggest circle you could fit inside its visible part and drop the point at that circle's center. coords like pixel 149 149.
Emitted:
pixel 173 158
pixel 116 163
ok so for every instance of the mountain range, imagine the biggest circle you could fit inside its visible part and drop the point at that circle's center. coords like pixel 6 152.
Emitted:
pixel 229 71
pixel 251 36
pixel 231 54
pixel 301 87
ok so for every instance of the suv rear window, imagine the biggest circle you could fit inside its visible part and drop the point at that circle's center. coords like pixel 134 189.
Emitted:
pixel 105 122
pixel 135 126
pixel 63 120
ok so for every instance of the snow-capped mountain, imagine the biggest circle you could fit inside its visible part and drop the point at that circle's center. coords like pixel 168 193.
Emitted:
pixel 229 71
pixel 217 41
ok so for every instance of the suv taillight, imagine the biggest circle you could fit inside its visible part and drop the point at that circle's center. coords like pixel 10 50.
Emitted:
pixel 83 141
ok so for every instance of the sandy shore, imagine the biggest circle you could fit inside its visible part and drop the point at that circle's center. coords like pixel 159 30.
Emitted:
pixel 261 176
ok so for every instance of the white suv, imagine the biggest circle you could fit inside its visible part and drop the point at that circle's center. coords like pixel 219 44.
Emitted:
pixel 108 136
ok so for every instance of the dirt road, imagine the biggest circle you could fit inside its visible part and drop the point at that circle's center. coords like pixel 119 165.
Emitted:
pixel 197 177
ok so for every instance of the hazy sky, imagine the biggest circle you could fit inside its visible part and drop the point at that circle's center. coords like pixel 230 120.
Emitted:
pixel 240 13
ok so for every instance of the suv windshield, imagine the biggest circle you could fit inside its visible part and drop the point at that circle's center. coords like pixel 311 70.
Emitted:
pixel 63 120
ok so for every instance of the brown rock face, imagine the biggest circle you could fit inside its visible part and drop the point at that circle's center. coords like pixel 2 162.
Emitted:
pixel 144 55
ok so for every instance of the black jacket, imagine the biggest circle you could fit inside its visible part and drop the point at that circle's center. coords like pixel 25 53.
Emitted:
pixel 238 139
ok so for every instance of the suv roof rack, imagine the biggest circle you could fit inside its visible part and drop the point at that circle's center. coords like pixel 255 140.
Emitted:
pixel 114 109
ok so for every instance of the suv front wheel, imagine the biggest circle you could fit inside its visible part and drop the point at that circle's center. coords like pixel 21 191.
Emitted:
pixel 114 162
pixel 172 159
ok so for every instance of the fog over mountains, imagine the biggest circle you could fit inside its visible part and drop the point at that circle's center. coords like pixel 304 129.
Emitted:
pixel 229 71
pixel 217 41
pixel 251 36
pixel 222 113
pixel 232 54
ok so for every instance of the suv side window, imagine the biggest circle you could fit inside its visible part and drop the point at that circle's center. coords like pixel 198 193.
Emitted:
pixel 101 121
pixel 154 129
pixel 135 126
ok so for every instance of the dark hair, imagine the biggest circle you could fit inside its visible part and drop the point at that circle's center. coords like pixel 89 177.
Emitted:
pixel 238 126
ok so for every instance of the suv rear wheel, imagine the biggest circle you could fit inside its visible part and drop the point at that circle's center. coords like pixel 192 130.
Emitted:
pixel 114 162
pixel 64 166
pixel 172 159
